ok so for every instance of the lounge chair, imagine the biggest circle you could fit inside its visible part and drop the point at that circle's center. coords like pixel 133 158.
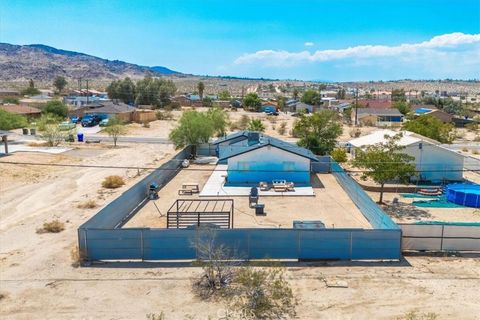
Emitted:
pixel 263 186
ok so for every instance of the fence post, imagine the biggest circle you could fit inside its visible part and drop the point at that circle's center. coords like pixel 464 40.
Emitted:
pixel 351 242
pixel 441 240
pixel 141 244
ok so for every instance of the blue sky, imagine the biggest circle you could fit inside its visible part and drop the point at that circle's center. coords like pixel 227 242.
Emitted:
pixel 322 40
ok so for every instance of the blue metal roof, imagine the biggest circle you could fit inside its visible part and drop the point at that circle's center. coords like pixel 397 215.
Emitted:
pixel 232 136
pixel 266 141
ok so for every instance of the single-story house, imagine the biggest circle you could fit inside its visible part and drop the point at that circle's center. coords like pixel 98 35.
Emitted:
pixel 9 93
pixel 303 107
pixel 21 109
pixel 379 117
pixel 433 162
pixel 253 157
pixel 109 108
pixel 377 104
pixel 434 112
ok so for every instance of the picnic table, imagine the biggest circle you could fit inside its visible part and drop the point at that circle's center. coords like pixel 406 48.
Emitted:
pixel 189 188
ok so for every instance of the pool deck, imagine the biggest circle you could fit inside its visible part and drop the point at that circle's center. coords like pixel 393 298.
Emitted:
pixel 214 187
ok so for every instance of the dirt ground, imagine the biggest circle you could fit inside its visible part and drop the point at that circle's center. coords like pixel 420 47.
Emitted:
pixel 331 205
pixel 37 279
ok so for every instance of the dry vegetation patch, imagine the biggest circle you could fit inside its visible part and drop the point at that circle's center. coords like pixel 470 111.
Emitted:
pixel 113 182
pixel 54 226
pixel 89 204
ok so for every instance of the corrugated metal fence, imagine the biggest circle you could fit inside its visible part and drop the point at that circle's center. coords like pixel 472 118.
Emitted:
pixel 166 244
pixel 372 212
pixel 440 237
pixel 102 238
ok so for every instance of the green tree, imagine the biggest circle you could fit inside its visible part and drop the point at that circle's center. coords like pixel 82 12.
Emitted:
pixel 56 107
pixel 123 90
pixel 30 90
pixel 115 128
pixel 156 92
pixel 398 95
pixel 224 95
pixel 256 125
pixel 281 102
pixel 200 88
pixel 341 94
pixel 295 93
pixel 347 115
pixel 10 100
pixel 193 129
pixel 454 107
pixel 311 97
pixel 48 119
pixel 431 127
pixel 402 106
pixel 339 155
pixel 318 132
pixel 60 83
pixel 219 120
pixel 9 121
pixel 384 162
pixel 207 102
pixel 252 102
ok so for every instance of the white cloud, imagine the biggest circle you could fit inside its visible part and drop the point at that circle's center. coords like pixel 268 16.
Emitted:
pixel 437 47
pixel 308 44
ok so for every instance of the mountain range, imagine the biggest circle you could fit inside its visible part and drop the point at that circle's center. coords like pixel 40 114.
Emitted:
pixel 44 63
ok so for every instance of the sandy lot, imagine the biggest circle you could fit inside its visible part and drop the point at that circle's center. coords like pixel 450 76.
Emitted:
pixel 37 279
pixel 330 204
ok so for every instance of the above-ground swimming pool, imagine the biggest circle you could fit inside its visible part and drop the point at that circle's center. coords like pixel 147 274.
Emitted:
pixel 464 194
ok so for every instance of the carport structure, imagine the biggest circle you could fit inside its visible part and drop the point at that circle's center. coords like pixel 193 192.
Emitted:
pixel 185 213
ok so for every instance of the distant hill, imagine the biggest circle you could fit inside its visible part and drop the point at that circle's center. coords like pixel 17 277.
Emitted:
pixel 41 62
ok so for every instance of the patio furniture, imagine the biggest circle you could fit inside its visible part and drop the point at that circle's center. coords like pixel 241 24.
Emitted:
pixel 290 186
pixel 253 197
pixel 259 209
pixel 263 186
pixel 189 188
pixel 279 185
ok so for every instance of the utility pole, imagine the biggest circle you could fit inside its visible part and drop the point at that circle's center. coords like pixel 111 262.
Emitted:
pixel 87 92
pixel 356 107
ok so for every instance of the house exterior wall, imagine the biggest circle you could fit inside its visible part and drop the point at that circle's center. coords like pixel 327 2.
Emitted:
pixel 222 147
pixel 267 164
pixel 435 163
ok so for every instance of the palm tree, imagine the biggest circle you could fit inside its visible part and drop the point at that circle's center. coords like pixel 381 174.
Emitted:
pixel 200 87
pixel 256 125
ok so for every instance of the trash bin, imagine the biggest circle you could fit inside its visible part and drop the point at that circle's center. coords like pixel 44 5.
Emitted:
pixel 33 131
pixel 80 137
pixel 259 209
pixel 25 131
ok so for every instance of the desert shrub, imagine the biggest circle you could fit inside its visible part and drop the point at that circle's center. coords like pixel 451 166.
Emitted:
pixel 164 115
pixel 53 135
pixel 459 134
pixel 10 100
pixel 272 119
pixel 475 152
pixel 54 226
pixel 155 316
pixel 339 155
pixel 464 149
pixel 89 204
pixel 263 294
pixel 145 124
pixel 472 126
pixel 414 315
pixel 243 122
pixel 283 128
pixel 112 182
pixel 3 296
pixel 77 257
pixel 355 133
pixel 9 121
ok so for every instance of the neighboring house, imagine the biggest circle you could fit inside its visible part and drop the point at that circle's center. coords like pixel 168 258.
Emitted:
pixel 9 93
pixel 253 157
pixel 379 117
pixel 377 104
pixel 121 110
pixel 38 99
pixel 290 105
pixel 303 107
pixel 79 101
pixel 433 162
pixel 21 109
